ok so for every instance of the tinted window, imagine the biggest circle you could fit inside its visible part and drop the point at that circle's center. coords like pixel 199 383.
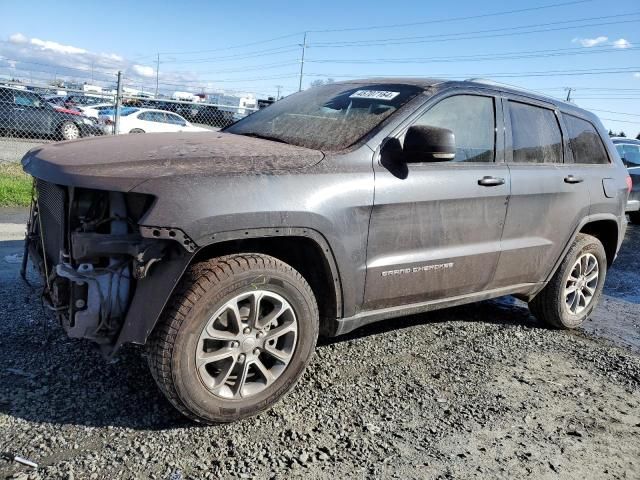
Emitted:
pixel 26 99
pixel 631 154
pixel 471 118
pixel 585 142
pixel 6 95
pixel 535 134
pixel 152 117
pixel 176 120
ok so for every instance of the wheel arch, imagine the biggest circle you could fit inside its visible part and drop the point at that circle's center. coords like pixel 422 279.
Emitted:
pixel 306 250
pixel 607 232
pixel 605 227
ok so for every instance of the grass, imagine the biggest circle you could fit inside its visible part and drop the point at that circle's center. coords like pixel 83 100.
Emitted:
pixel 15 186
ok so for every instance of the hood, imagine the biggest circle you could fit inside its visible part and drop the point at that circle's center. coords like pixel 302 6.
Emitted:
pixel 121 162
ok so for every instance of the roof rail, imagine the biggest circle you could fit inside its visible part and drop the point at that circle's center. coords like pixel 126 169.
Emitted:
pixel 493 83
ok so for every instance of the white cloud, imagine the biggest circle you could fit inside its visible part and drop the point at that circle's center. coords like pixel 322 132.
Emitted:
pixel 636 75
pixel 143 70
pixel 622 43
pixel 18 38
pixel 41 60
pixel 591 42
pixel 57 47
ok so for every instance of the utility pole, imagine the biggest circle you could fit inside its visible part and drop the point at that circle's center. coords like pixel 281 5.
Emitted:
pixel 569 90
pixel 157 73
pixel 92 63
pixel 116 116
pixel 279 87
pixel 304 47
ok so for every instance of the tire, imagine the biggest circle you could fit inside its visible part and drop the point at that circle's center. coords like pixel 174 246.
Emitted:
pixel 137 130
pixel 69 131
pixel 213 392
pixel 564 310
pixel 634 218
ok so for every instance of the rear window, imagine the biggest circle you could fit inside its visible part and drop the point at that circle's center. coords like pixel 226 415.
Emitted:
pixel 535 134
pixel 585 142
pixel 630 153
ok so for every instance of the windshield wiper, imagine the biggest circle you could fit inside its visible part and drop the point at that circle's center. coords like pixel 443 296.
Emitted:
pixel 263 137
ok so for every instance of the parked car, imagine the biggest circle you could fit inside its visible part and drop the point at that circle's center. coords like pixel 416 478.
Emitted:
pixel 94 111
pixel 211 115
pixel 629 151
pixel 146 120
pixel 345 204
pixel 27 113
pixel 77 100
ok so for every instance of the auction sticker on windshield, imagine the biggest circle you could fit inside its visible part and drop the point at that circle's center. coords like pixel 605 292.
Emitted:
pixel 375 94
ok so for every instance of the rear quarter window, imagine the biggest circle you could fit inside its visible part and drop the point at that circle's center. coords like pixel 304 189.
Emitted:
pixel 585 142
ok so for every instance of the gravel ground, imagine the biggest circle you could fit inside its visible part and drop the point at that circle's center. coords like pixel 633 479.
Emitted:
pixel 482 391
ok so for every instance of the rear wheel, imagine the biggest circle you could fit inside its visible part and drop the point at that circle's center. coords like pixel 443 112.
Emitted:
pixel 575 289
pixel 69 131
pixel 634 218
pixel 137 130
pixel 238 334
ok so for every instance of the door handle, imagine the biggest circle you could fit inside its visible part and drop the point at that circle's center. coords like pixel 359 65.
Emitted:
pixel 572 179
pixel 491 181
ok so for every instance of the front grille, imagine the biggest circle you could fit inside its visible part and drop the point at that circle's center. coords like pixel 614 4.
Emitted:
pixel 51 207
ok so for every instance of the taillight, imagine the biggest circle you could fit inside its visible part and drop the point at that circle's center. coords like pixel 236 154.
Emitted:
pixel 629 183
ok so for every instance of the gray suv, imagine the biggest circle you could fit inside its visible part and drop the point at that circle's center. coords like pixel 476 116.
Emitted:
pixel 228 253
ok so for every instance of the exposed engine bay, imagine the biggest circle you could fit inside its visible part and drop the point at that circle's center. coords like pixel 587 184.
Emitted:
pixel 91 252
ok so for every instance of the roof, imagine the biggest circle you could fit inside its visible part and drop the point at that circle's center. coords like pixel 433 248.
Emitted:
pixel 440 83
pixel 625 140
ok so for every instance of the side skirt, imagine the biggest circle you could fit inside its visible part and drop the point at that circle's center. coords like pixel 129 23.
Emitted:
pixel 346 325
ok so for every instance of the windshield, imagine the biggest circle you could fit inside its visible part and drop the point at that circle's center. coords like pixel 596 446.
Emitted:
pixel 330 117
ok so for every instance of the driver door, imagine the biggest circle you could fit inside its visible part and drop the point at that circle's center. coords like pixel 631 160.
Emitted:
pixel 30 114
pixel 436 227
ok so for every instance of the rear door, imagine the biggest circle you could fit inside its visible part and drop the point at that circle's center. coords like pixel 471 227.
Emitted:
pixel 547 201
pixel 6 109
pixel 435 227
pixel 591 164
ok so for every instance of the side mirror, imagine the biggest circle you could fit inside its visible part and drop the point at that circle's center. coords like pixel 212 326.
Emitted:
pixel 423 143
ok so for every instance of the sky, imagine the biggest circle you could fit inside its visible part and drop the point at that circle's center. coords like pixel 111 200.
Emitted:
pixel 590 46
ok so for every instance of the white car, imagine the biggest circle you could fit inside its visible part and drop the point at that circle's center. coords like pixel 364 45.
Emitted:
pixel 94 111
pixel 147 120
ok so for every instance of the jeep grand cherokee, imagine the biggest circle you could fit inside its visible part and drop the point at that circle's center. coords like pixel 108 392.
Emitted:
pixel 228 253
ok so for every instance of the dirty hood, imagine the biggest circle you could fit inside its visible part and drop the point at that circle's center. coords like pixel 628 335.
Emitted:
pixel 121 162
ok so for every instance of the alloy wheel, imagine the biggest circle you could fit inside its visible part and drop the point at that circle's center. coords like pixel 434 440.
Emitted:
pixel 246 344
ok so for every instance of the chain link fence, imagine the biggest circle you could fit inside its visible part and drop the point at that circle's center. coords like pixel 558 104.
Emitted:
pixel 32 114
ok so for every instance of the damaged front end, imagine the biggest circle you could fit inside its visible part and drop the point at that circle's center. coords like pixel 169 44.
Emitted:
pixel 92 254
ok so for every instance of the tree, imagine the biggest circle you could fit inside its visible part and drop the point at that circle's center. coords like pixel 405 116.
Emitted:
pixel 638 137
pixel 621 134
pixel 611 134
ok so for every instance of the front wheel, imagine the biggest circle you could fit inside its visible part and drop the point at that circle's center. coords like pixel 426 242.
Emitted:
pixel 575 289
pixel 69 131
pixel 238 334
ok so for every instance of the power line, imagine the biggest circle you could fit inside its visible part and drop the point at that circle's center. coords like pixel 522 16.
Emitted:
pixel 451 19
pixel 257 53
pixel 461 35
pixel 615 113
pixel 481 57
pixel 597 71
pixel 232 47
pixel 376 27
pixel 618 120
